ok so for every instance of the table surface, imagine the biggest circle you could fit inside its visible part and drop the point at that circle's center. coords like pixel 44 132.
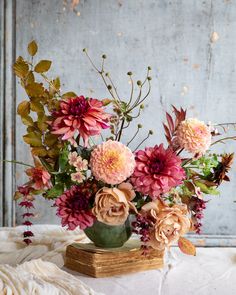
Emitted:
pixel 211 272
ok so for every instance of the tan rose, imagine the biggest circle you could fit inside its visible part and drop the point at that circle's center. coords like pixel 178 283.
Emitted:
pixel 169 223
pixel 112 205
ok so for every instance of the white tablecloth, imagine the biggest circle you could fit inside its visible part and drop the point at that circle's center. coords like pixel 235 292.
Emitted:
pixel 212 271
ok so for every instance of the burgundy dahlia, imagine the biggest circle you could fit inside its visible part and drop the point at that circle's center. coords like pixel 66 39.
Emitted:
pixel 79 115
pixel 157 171
pixel 73 208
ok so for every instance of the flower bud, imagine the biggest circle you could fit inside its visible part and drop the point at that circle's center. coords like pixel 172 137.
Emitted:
pixel 149 68
pixel 139 83
pixel 85 49
pixel 150 132
pixel 149 78
pixel 109 87
pixel 104 56
pixel 142 106
pixel 129 73
pixel 140 126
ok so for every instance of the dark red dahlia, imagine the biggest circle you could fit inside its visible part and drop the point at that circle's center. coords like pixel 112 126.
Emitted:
pixel 73 208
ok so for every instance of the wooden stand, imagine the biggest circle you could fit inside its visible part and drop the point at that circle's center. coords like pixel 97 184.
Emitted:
pixel 97 262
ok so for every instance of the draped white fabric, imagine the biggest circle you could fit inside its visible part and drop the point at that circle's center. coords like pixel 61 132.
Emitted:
pixel 36 269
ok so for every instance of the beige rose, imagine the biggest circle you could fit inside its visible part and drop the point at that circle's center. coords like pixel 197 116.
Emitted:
pixel 169 223
pixel 112 205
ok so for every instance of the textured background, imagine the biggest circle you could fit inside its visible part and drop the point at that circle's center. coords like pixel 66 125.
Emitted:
pixel 173 37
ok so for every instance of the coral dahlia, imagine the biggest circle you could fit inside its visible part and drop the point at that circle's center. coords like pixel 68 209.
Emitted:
pixel 157 171
pixel 78 115
pixel 112 162
pixel 194 136
pixel 73 208
pixel 40 178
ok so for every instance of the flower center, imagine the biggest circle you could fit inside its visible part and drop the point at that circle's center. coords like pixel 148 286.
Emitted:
pixel 78 107
pixel 79 202
pixel 156 166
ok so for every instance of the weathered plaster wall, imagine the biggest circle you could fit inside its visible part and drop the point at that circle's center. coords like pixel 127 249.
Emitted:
pixel 174 37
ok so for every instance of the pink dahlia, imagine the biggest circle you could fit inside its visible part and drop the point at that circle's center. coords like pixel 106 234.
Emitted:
pixel 73 208
pixel 40 178
pixel 157 171
pixel 112 162
pixel 194 136
pixel 78 115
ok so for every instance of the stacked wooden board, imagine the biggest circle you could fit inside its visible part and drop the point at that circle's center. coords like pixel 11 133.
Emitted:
pixel 97 262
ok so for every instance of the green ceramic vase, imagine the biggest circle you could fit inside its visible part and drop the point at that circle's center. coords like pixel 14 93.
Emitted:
pixel 107 236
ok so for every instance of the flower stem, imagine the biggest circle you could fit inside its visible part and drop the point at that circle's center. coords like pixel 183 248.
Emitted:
pixel 18 162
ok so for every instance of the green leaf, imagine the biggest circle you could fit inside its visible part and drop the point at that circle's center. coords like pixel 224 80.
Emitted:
pixel 33 139
pixel 32 48
pixel 63 159
pixel 54 192
pixel 69 95
pixel 42 66
pixel 205 189
pixel 21 68
pixel 23 108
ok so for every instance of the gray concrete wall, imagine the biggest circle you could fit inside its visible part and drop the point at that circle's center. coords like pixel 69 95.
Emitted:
pixel 174 37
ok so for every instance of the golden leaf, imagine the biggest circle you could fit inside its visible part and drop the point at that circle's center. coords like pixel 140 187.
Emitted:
pixel 33 139
pixel 34 90
pixel 42 66
pixel 29 79
pixel 186 246
pixel 32 48
pixel 23 108
pixel 36 106
pixel 69 95
pixel 21 68
pixel 50 139
pixel 27 120
pixel 39 151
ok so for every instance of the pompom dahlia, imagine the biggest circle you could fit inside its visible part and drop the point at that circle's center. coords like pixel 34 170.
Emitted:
pixel 157 171
pixel 194 136
pixel 112 162
pixel 79 115
pixel 73 208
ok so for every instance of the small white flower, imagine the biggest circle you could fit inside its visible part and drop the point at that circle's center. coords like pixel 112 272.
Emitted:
pixel 77 177
pixel 81 164
pixel 72 157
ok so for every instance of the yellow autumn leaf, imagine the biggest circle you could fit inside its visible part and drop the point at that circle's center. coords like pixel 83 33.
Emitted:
pixel 186 246
pixel 23 108
pixel 42 66
pixel 32 48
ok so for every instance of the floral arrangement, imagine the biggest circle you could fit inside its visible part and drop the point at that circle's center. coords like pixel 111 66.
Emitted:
pixel 81 162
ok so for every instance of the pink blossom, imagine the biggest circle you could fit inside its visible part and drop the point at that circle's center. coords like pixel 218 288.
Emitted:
pixel 157 171
pixel 78 115
pixel 112 162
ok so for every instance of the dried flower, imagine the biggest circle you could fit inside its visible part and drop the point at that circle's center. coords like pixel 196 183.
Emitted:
pixel 112 162
pixel 79 115
pixel 194 136
pixel 220 172
pixel 157 171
